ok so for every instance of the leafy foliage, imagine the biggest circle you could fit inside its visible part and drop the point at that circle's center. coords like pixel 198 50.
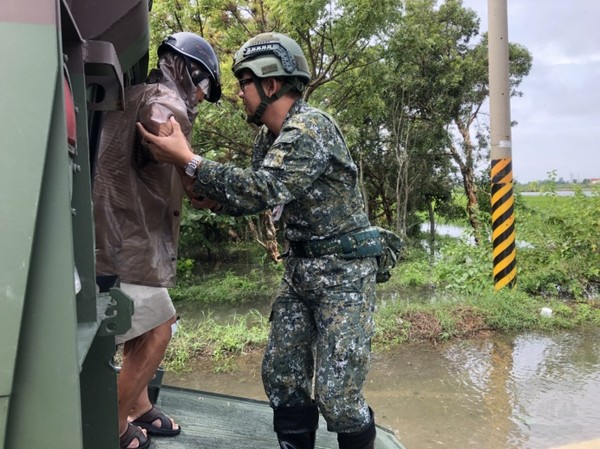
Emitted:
pixel 464 267
pixel 398 75
pixel 562 254
pixel 202 229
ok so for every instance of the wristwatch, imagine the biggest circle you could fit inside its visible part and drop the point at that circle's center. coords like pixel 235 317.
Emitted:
pixel 191 167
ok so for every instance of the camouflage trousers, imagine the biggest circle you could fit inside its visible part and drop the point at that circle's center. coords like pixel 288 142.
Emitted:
pixel 320 337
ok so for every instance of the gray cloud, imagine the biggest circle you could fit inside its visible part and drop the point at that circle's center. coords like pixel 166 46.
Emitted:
pixel 559 111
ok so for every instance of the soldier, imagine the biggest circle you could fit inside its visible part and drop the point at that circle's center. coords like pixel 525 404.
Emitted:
pixel 137 204
pixel 321 320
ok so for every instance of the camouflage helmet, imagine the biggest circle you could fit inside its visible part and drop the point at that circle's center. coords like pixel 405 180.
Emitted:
pixel 194 48
pixel 272 55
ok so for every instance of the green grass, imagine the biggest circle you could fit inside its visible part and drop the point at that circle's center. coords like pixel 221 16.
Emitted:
pixel 219 343
pixel 543 202
pixel 397 321
pixel 227 287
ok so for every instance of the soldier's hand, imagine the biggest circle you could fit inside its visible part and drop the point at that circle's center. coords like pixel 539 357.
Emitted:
pixel 173 149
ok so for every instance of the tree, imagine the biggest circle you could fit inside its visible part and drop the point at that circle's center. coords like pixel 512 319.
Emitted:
pixel 340 39
pixel 406 81
pixel 446 79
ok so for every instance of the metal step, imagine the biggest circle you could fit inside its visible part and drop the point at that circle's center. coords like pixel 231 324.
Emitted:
pixel 214 421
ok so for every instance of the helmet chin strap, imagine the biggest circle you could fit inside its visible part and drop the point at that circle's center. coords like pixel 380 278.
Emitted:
pixel 265 100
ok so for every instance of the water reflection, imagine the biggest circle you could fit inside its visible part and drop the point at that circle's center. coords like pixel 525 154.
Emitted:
pixel 530 391
pixel 559 376
pixel 449 230
pixel 457 232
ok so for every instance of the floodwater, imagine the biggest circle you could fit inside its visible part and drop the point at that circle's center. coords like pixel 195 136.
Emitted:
pixel 527 391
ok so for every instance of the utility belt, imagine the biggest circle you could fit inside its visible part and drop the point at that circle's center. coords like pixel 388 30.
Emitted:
pixel 364 243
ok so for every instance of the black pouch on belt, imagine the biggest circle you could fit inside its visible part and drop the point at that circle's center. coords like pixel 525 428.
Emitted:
pixel 391 253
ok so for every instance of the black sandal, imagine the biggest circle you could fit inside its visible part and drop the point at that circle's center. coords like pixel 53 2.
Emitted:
pixel 146 421
pixel 132 433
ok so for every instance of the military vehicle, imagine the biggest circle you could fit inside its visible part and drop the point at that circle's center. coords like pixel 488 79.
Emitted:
pixel 64 62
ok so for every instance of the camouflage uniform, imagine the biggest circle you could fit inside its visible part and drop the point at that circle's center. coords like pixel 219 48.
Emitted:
pixel 322 315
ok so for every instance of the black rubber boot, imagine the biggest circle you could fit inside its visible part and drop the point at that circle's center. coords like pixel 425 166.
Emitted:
pixel 364 439
pixel 296 427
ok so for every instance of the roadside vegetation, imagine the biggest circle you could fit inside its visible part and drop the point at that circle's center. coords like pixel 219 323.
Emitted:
pixel 407 81
pixel 431 297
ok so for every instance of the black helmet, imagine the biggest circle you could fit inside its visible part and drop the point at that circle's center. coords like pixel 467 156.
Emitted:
pixel 193 47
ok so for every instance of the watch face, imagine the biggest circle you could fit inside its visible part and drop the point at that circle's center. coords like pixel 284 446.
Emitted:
pixel 191 166
pixel 190 169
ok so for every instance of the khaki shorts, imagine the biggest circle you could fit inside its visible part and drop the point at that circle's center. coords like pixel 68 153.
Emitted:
pixel 152 306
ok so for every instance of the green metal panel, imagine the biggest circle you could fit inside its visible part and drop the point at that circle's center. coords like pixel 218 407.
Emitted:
pixel 83 216
pixel 57 382
pixel 3 415
pixel 24 125
pixel 47 230
pixel 99 397
pixel 46 382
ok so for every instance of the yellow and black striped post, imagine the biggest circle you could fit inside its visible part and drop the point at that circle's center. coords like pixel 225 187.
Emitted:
pixel 503 220
pixel 503 224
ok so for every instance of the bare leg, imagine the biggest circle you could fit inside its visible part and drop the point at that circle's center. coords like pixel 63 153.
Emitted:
pixel 141 358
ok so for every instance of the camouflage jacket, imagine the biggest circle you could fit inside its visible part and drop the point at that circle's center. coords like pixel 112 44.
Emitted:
pixel 307 169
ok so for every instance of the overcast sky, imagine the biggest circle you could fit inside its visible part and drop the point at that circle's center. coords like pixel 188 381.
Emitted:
pixel 559 114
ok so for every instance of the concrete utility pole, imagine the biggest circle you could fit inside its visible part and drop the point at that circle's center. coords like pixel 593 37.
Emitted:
pixel 503 221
